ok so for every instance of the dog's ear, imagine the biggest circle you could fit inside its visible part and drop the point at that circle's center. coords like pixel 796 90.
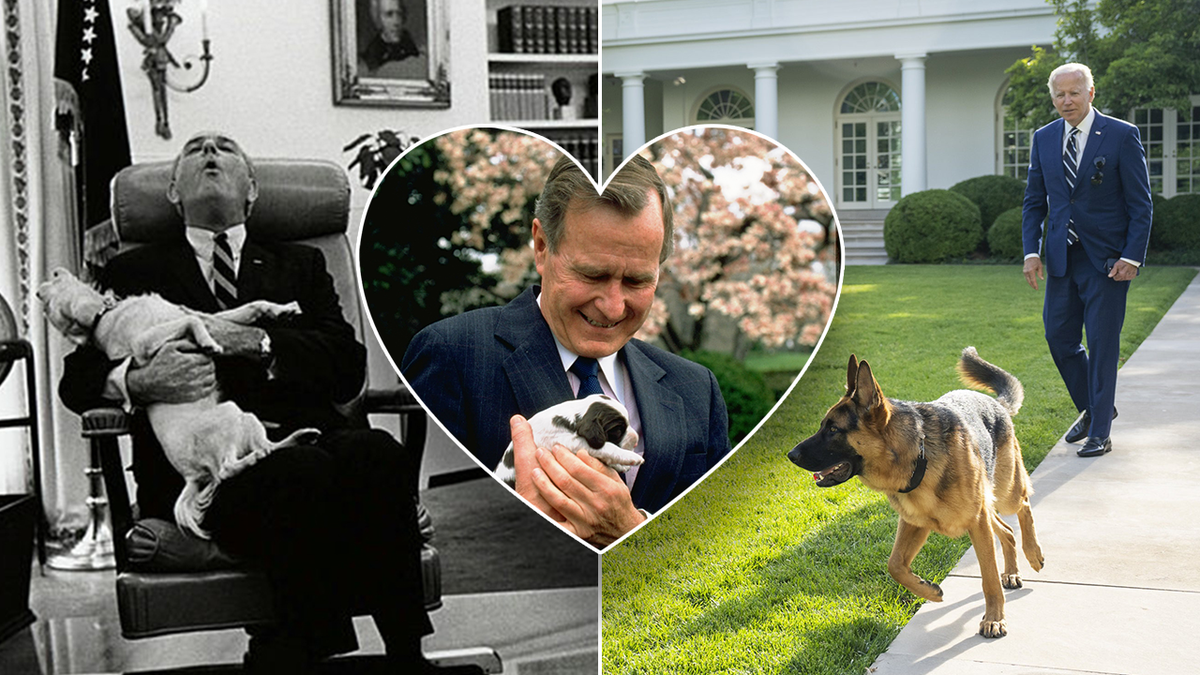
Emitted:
pixel 601 424
pixel 866 390
pixel 851 375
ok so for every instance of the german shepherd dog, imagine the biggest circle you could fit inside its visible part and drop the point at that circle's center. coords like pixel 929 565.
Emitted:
pixel 949 466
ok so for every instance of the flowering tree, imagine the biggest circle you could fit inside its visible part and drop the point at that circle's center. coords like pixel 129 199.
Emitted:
pixel 755 243
pixel 448 230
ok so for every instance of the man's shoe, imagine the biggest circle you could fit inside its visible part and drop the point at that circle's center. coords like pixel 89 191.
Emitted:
pixel 1095 446
pixel 1079 430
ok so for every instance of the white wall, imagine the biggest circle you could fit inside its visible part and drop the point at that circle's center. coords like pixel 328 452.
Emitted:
pixel 961 90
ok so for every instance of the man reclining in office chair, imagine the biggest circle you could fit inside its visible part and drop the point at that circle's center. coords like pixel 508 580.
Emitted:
pixel 330 522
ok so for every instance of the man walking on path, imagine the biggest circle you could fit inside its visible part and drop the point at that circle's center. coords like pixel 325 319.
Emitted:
pixel 1088 181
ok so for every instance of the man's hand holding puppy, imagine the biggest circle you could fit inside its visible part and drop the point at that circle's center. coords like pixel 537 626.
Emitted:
pixel 178 373
pixel 576 490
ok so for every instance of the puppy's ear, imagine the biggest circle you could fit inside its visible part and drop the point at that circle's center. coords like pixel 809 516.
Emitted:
pixel 601 424
pixel 851 375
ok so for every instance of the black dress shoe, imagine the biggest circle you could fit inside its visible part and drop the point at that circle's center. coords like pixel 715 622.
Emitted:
pixel 1095 446
pixel 1079 430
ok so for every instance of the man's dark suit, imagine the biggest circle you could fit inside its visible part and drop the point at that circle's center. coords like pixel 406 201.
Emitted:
pixel 298 510
pixel 476 370
pixel 1111 216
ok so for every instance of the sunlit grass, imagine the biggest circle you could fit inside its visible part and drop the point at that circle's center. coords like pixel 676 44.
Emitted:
pixel 757 570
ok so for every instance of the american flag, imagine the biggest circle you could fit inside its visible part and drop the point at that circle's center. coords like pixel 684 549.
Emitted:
pixel 86 57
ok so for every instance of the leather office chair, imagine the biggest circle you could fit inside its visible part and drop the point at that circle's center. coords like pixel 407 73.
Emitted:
pixel 168 582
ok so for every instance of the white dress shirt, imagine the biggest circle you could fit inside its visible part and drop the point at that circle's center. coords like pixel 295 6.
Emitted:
pixel 615 383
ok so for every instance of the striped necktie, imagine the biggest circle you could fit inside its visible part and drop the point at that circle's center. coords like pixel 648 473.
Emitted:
pixel 224 278
pixel 1070 167
pixel 588 372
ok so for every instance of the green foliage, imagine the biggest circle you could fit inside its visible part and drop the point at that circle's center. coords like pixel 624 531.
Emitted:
pixel 931 226
pixel 411 266
pixel 748 399
pixel 1177 224
pixel 1004 239
pixel 1028 99
pixel 992 194
pixel 757 570
pixel 1142 54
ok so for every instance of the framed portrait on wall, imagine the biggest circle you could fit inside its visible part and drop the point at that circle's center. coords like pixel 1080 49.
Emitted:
pixel 392 53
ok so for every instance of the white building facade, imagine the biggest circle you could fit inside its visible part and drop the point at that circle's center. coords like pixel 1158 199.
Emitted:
pixel 880 98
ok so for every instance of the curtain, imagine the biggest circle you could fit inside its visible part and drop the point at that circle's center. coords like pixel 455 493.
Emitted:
pixel 41 231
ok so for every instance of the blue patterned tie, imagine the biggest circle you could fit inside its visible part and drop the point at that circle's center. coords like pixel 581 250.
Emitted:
pixel 587 370
pixel 1070 167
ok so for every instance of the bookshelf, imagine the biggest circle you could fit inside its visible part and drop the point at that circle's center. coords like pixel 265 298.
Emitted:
pixel 534 48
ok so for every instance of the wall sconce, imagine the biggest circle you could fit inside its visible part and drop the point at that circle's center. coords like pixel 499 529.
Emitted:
pixel 153 29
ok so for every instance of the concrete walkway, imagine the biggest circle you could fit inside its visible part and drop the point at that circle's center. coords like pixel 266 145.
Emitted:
pixel 1120 592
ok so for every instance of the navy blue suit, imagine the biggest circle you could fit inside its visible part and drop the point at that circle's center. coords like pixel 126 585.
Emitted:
pixel 1111 215
pixel 476 370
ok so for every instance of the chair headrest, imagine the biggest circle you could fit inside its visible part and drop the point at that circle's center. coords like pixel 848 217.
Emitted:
pixel 297 199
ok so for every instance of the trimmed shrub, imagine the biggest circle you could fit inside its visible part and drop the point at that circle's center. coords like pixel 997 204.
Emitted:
pixel 1004 239
pixel 931 226
pixel 1177 224
pixel 748 399
pixel 993 195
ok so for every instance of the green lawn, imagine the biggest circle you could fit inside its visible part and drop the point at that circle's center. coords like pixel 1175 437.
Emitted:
pixel 759 571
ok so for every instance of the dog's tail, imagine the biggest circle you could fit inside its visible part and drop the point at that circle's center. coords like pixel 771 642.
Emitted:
pixel 192 503
pixel 980 374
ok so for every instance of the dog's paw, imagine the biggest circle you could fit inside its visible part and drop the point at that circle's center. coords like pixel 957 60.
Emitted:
pixel 1036 560
pixel 1011 580
pixel 993 628
pixel 290 309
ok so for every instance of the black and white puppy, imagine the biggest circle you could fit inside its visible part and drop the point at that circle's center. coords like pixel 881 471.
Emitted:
pixel 597 424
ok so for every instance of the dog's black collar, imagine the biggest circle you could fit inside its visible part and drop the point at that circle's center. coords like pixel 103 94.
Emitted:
pixel 110 301
pixel 918 473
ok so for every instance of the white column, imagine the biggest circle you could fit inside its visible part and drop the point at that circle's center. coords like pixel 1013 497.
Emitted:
pixel 766 98
pixel 633 110
pixel 912 123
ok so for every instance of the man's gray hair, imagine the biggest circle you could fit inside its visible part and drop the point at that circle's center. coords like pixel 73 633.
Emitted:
pixel 1071 69
pixel 628 192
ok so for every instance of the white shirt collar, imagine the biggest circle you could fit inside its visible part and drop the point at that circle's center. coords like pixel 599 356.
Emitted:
pixel 608 364
pixel 201 240
pixel 1085 126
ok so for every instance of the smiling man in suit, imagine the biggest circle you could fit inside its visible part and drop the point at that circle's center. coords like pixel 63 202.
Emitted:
pixel 1088 181
pixel 329 523
pixel 480 372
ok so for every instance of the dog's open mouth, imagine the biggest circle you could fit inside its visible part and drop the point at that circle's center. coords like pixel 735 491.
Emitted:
pixel 835 475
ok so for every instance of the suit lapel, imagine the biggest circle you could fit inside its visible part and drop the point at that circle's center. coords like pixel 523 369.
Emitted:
pixel 533 369
pixel 255 272
pixel 182 265
pixel 1095 139
pixel 662 413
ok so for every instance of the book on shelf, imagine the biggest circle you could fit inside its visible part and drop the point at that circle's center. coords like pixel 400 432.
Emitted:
pixel 518 97
pixel 538 29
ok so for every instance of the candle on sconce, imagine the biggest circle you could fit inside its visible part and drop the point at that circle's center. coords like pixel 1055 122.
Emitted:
pixel 204 19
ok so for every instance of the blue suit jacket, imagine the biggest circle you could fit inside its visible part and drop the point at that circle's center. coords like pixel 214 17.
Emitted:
pixel 476 370
pixel 1112 219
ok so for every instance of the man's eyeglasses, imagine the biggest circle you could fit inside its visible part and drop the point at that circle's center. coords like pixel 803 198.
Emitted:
pixel 1098 177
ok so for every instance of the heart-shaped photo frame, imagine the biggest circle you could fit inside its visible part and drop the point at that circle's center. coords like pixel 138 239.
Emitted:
pixel 695 284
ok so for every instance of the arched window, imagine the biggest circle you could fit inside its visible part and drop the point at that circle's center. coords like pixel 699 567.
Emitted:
pixel 868 134
pixel 871 97
pixel 726 106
